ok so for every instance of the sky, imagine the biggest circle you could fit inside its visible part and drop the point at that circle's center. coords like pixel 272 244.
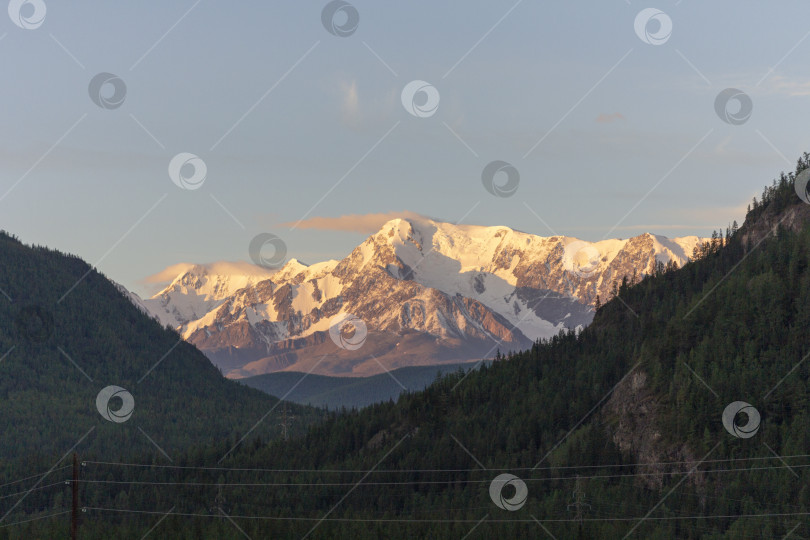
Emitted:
pixel 604 118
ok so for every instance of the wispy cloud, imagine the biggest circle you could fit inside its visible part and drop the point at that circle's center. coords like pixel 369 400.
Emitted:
pixel 605 118
pixel 350 108
pixel 361 223
pixel 161 279
pixel 776 85
pixel 364 114
pixel 720 215
pixel 167 274
pixel 786 86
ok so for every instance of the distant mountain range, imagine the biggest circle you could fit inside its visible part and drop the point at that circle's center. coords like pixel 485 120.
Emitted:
pixel 351 392
pixel 417 292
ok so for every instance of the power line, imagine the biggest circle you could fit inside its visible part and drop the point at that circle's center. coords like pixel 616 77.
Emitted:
pixel 33 476
pixel 477 469
pixel 34 489
pixel 35 519
pixel 460 520
pixel 420 482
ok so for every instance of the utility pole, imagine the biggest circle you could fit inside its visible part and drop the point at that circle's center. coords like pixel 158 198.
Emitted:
pixel 220 500
pixel 578 498
pixel 74 515
pixel 285 423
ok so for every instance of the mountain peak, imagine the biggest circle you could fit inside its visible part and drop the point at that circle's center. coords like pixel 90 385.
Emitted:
pixel 448 290
pixel 291 268
pixel 216 268
pixel 215 280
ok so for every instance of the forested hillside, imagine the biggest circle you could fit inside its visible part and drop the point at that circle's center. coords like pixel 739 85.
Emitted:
pixel 66 333
pixel 616 432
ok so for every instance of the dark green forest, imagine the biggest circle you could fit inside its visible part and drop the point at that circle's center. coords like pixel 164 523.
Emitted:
pixel 66 332
pixel 616 432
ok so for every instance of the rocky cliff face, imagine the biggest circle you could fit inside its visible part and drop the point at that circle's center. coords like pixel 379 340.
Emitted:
pixel 793 218
pixel 631 418
pixel 425 292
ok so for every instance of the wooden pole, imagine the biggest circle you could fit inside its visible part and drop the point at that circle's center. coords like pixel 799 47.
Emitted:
pixel 74 516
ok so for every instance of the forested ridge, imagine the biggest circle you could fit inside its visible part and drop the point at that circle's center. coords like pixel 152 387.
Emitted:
pixel 66 332
pixel 616 431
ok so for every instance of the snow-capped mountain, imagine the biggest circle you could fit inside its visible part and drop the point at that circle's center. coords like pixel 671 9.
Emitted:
pixel 419 291
pixel 200 288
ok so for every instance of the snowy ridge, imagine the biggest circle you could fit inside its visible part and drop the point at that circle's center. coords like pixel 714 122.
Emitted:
pixel 201 288
pixel 450 291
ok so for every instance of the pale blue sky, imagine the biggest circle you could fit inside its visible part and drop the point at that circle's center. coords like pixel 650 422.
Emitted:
pixel 534 76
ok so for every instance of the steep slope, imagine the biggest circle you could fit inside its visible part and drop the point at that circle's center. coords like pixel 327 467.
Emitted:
pixel 66 334
pixel 427 292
